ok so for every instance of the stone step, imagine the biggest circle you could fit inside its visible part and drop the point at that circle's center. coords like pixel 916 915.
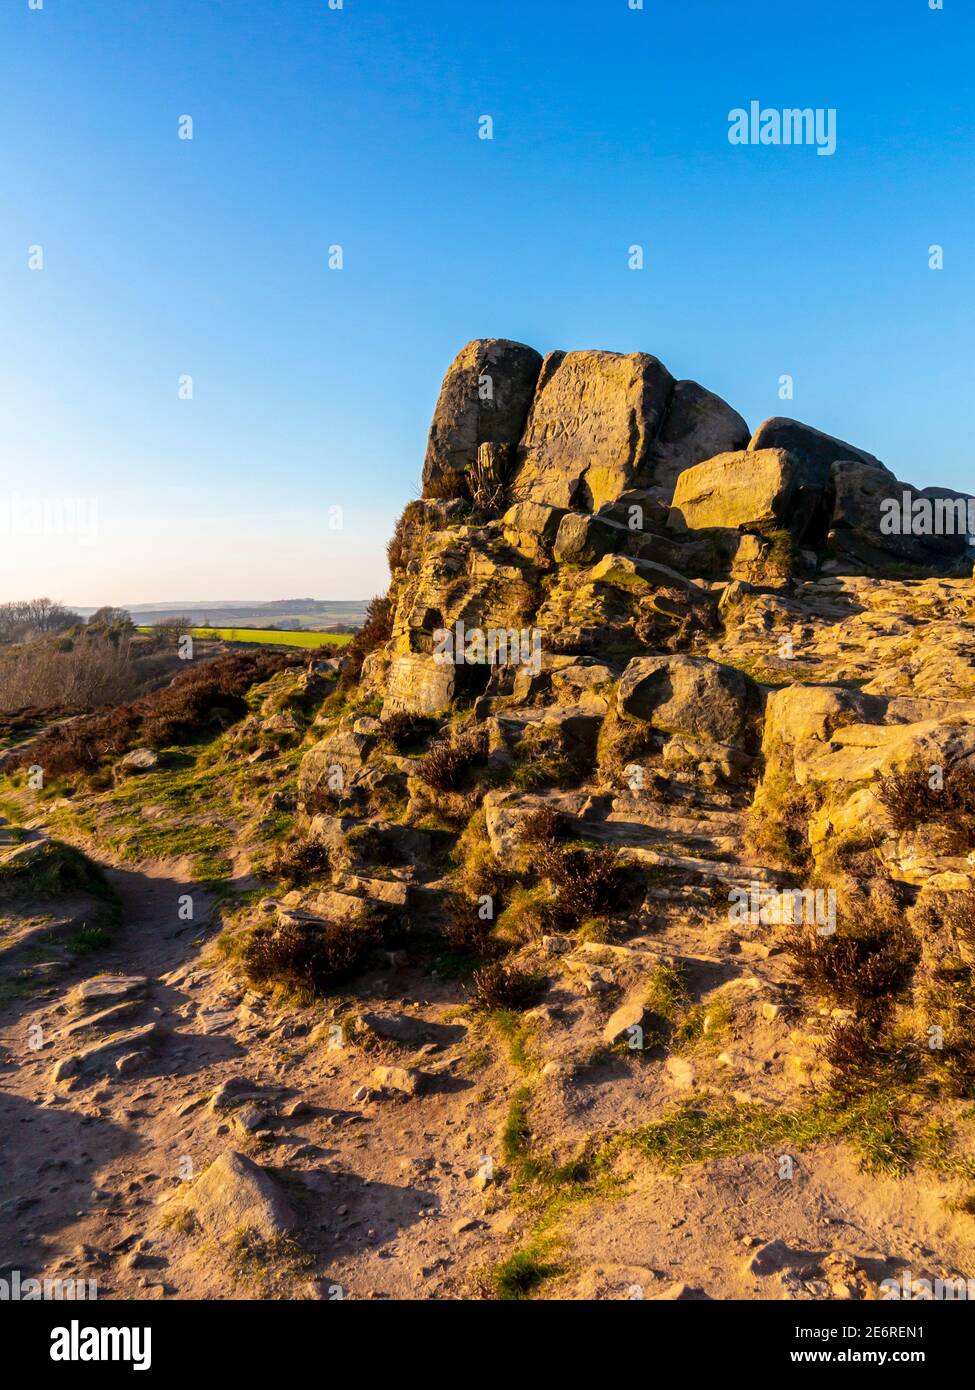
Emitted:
pixel 624 833
pixel 727 870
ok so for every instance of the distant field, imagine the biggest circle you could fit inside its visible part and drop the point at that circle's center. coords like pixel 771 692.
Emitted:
pixel 265 637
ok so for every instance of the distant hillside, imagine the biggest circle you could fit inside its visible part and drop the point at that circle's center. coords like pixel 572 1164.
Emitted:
pixel 285 613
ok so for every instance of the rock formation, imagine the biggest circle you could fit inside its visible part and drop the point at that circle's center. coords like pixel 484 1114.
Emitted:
pixel 617 888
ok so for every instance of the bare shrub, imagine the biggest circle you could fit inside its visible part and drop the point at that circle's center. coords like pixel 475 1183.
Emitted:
pixel 864 964
pixel 306 956
pixel 910 801
pixel 203 699
pixel 404 730
pixel 81 672
pixel 449 761
pixel 500 986
pixel 587 882
pixel 297 862
pixel 376 630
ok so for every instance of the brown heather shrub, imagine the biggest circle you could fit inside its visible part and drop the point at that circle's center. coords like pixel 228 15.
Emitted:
pixel 910 801
pixel 464 931
pixel 204 699
pixel 375 631
pixel 306 957
pixel 544 825
pixel 864 964
pixel 500 986
pixel 587 882
pixel 396 548
pixel 297 862
pixel 958 914
pixel 404 730
pixel 448 764
pixel 860 1057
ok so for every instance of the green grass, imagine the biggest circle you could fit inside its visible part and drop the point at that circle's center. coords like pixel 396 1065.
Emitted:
pixel 516 1135
pixel 872 1124
pixel 521 1274
pixel 57 869
pixel 268 637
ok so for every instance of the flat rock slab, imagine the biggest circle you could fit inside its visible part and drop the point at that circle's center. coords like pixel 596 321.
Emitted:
pixel 100 1054
pixel 105 1018
pixel 409 1032
pixel 106 989
pixel 406 1081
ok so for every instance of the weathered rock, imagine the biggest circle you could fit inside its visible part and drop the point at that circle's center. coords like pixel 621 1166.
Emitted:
pixel 392 892
pixel 484 398
pixel 583 538
pixel 817 449
pixel 690 694
pixel 406 1081
pixel 532 526
pixel 99 1056
pixel 630 573
pixel 104 1018
pixel 418 684
pixel 133 764
pixel 103 990
pixel 626 1024
pixel 764 490
pixel 327 770
pixel 698 425
pixel 354 843
pixel 861 534
pixel 232 1093
pixel 235 1195
pixel 593 420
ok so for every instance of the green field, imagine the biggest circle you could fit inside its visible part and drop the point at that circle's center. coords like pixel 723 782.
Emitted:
pixel 266 637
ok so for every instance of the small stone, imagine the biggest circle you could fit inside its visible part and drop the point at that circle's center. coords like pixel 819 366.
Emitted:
pixel 405 1081
pixel 626 1024
pixel 466 1223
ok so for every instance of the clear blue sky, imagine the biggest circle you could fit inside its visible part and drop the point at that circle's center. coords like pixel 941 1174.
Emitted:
pixel 313 389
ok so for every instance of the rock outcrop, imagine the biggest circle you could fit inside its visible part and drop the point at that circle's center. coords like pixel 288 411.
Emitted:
pixel 591 426
pixel 484 398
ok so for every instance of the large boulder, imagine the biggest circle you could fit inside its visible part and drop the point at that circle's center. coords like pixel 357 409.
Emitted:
pixel 484 399
pixel 926 529
pixel 328 768
pixel 697 426
pixel 419 684
pixel 819 450
pixel 763 491
pixel 531 527
pixel 592 423
pixel 683 694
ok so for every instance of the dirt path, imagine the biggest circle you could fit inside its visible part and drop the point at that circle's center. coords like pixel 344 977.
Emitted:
pixel 389 1192
pixel 84 1193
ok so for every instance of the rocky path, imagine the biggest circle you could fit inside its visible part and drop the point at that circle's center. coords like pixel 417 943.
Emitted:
pixel 164 1065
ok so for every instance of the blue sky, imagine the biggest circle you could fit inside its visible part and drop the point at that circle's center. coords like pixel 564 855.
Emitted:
pixel 313 389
